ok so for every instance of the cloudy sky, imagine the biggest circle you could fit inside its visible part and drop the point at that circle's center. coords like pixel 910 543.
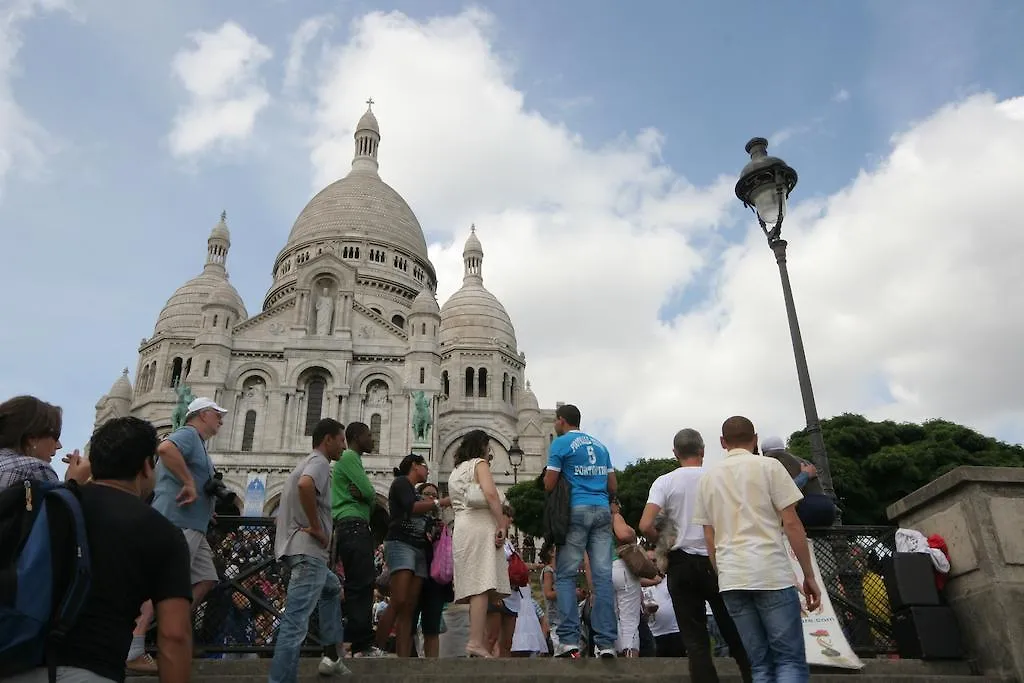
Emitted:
pixel 594 146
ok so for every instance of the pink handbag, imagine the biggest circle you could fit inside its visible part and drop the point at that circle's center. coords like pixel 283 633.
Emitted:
pixel 442 566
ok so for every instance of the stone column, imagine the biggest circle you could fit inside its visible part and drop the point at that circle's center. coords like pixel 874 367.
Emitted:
pixel 980 513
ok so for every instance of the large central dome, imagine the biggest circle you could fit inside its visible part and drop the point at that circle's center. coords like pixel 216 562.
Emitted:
pixel 361 206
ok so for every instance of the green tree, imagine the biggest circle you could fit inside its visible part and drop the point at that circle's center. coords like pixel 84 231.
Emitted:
pixel 874 464
pixel 527 498
pixel 635 483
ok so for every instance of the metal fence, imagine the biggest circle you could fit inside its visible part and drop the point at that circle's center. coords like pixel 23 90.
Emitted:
pixel 243 612
pixel 850 559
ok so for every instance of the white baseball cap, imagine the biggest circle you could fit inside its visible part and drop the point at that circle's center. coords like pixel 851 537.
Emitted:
pixel 203 403
pixel 772 443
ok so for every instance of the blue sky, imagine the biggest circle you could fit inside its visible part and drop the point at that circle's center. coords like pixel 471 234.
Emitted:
pixel 101 220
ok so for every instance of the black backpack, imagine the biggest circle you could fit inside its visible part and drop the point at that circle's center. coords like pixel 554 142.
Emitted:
pixel 44 572
pixel 557 513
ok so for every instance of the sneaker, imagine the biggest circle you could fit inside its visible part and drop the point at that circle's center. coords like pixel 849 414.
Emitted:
pixel 605 653
pixel 330 667
pixel 565 651
pixel 374 652
pixel 143 664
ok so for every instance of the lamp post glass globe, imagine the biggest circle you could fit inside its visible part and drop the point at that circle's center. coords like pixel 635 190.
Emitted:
pixel 515 454
pixel 770 204
pixel 765 184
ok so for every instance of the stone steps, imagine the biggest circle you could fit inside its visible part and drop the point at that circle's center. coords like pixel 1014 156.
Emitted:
pixel 515 670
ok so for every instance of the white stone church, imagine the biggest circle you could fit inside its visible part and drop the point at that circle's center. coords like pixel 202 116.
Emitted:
pixel 349 328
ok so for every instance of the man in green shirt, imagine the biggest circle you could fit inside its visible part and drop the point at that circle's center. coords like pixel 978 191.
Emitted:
pixel 352 499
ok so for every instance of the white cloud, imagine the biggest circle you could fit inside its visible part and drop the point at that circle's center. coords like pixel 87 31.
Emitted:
pixel 307 32
pixel 221 72
pixel 842 95
pixel 907 281
pixel 24 144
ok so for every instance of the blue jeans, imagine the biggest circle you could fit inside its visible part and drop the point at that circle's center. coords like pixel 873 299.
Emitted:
pixel 311 586
pixel 590 530
pixel 772 633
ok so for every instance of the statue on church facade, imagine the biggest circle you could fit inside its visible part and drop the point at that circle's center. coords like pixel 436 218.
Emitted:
pixel 184 394
pixel 421 420
pixel 324 313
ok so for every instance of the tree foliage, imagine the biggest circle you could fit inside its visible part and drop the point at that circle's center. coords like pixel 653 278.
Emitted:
pixel 874 464
pixel 635 484
pixel 527 498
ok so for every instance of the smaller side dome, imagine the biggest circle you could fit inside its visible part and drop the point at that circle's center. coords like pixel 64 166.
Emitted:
pixel 528 400
pixel 224 295
pixel 220 231
pixel 122 388
pixel 473 246
pixel 368 121
pixel 425 304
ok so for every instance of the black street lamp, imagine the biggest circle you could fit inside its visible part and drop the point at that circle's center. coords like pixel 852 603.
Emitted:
pixel 515 458
pixel 764 186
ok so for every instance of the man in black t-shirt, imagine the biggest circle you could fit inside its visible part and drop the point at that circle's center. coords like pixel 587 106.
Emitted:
pixel 136 555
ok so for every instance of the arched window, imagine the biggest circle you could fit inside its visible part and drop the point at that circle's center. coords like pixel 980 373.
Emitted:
pixel 249 431
pixel 314 402
pixel 423 328
pixel 469 381
pixel 176 368
pixel 482 377
pixel 188 367
pixel 423 375
pixel 444 383
pixel 215 316
pixel 504 387
pixel 512 392
pixel 398 321
pixel 375 432
pixel 206 369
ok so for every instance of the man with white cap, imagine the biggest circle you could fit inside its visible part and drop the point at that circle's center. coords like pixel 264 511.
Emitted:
pixel 183 469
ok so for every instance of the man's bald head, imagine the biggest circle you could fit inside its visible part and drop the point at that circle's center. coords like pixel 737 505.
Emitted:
pixel 738 432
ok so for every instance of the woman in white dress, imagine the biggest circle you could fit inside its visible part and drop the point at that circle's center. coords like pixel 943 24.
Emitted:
pixel 478 539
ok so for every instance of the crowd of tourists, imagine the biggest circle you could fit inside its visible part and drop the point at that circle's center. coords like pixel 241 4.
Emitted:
pixel 713 577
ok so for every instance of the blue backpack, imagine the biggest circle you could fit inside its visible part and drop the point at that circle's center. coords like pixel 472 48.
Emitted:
pixel 44 572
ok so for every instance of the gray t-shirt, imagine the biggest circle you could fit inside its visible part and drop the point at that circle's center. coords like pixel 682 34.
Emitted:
pixel 291 517
pixel 194 515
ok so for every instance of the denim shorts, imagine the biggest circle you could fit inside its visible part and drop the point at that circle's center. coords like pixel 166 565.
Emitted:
pixel 402 556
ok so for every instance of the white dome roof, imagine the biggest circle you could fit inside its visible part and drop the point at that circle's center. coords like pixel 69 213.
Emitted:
pixel 122 388
pixel 425 303
pixel 183 312
pixel 528 400
pixel 223 294
pixel 368 122
pixel 473 314
pixel 360 206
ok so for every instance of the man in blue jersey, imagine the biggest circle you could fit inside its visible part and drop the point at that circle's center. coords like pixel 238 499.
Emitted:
pixel 587 468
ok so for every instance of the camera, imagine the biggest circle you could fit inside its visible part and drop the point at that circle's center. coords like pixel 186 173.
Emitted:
pixel 216 488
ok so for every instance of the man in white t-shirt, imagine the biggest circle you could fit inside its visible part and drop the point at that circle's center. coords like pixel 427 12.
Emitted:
pixel 746 504
pixel 691 578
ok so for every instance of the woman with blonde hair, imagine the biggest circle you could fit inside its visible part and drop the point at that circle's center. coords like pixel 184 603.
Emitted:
pixel 478 540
